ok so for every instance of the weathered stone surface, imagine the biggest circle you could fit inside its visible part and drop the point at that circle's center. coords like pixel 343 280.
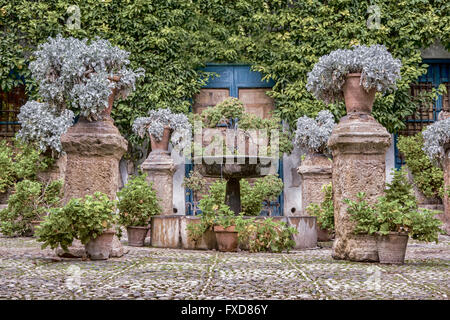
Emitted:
pixel 207 242
pixel 166 231
pixel 446 216
pixel 359 144
pixel 160 168
pixel 76 250
pixel 315 171
pixel 117 250
pixel 93 153
pixel 307 232
pixel 56 172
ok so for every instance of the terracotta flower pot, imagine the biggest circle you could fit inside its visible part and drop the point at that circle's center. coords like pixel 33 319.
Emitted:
pixel 163 144
pixel 136 236
pixel 392 247
pixel 100 247
pixel 357 99
pixel 227 238
pixel 324 235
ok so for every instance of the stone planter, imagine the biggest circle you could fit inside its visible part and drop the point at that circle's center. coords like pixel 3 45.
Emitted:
pixel 356 98
pixel 307 231
pixel 315 171
pixel 165 231
pixel 227 238
pixel 446 200
pixel 136 236
pixel 207 242
pixel 100 248
pixel 392 247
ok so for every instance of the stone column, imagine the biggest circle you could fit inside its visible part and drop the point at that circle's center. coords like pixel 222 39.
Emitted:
pixel 359 144
pixel 93 152
pixel 315 171
pixel 160 168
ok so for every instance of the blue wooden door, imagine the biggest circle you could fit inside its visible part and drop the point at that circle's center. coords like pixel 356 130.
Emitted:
pixel 236 80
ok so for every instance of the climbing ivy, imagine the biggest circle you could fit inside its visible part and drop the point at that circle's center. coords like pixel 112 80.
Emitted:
pixel 172 39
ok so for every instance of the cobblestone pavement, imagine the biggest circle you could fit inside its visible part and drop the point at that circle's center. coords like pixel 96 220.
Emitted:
pixel 26 272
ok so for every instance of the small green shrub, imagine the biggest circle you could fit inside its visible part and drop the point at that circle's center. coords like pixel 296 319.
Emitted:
pixel 266 235
pixel 137 202
pixel 325 210
pixel 82 219
pixel 30 201
pixel 428 178
pixel 6 167
pixel 265 189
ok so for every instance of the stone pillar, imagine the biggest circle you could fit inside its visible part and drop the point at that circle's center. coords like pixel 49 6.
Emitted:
pixel 315 171
pixel 160 168
pixel 94 149
pixel 359 144
pixel 446 200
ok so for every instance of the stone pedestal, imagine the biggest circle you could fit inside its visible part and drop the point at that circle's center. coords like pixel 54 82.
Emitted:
pixel 359 144
pixel 55 172
pixel 446 200
pixel 93 152
pixel 315 171
pixel 160 168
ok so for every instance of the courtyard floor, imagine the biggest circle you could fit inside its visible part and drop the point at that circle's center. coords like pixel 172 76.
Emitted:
pixel 26 272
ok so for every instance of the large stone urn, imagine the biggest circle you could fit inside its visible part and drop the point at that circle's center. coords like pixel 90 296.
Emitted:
pixel 93 149
pixel 359 144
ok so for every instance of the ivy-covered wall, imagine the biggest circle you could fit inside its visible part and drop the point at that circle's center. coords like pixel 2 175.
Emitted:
pixel 172 39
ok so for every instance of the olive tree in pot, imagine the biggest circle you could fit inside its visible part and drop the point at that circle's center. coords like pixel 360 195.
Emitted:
pixel 354 74
pixel 91 220
pixel 137 204
pixel 163 127
pixel 394 218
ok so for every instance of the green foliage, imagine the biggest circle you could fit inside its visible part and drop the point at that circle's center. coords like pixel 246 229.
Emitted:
pixel 281 39
pixel 325 210
pixel 266 235
pixel 399 189
pixel 6 167
pixel 137 202
pixel 20 161
pixel 363 214
pixel 30 201
pixel 428 178
pixel 264 189
pixel 399 214
pixel 82 219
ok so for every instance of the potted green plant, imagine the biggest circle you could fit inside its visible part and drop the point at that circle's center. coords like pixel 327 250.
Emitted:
pixel 354 74
pixel 137 203
pixel 394 217
pixel 28 205
pixel 225 229
pixel 163 127
pixel 90 220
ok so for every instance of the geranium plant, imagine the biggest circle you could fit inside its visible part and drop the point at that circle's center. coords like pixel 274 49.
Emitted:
pixel 82 219
pixel 379 70
pixel 313 134
pixel 137 202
